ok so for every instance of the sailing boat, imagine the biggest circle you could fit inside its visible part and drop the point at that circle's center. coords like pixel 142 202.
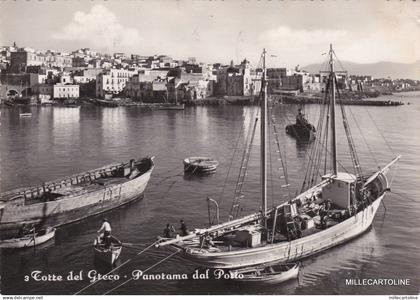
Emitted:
pixel 329 213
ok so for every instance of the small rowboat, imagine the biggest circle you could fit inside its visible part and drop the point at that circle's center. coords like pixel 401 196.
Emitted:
pixel 200 165
pixel 267 274
pixel 29 240
pixel 107 253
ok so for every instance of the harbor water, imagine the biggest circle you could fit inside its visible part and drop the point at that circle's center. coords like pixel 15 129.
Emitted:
pixel 58 141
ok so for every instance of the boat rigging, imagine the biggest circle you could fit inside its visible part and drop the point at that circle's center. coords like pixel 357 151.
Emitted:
pixel 325 214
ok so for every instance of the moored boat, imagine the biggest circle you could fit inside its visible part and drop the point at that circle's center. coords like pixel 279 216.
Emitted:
pixel 107 250
pixel 75 197
pixel 37 237
pixel 302 130
pixel 266 274
pixel 200 165
pixel 239 100
pixel 170 106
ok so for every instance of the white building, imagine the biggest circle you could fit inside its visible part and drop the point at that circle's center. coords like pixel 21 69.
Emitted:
pixel 62 91
pixel 112 82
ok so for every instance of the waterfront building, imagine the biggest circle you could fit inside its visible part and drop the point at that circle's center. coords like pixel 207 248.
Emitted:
pixel 234 80
pixel 140 86
pixel 15 84
pixel 275 76
pixel 44 92
pixel 189 86
pixel 112 82
pixel 63 91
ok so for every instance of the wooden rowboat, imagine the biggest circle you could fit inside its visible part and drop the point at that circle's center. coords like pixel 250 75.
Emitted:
pixel 107 254
pixel 29 240
pixel 200 165
pixel 267 274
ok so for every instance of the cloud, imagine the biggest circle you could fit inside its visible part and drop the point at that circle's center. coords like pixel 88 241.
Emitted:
pixel 101 29
pixel 377 42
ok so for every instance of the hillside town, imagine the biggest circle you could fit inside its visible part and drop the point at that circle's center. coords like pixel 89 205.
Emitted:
pixel 44 77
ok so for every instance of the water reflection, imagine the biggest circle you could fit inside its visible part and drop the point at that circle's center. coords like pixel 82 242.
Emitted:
pixel 65 127
pixel 114 130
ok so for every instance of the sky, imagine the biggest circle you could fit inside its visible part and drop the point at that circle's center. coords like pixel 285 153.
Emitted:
pixel 293 31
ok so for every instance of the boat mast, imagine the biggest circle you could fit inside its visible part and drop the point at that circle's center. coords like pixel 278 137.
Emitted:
pixel 263 142
pixel 332 105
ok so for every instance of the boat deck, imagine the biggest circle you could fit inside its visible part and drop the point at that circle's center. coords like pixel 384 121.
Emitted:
pixel 75 189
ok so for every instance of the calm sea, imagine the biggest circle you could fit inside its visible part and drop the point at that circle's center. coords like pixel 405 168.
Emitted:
pixel 57 142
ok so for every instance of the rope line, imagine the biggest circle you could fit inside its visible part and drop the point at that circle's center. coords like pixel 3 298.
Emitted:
pixel 231 160
pixel 380 132
pixel 151 267
pixel 364 138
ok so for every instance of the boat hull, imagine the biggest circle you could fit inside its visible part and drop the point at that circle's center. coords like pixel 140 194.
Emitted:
pixel 301 132
pixel 280 277
pixel 200 165
pixel 28 240
pixel 285 252
pixel 72 208
pixel 107 256
pixel 171 107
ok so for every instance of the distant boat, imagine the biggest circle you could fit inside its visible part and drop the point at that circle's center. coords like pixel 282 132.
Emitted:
pixel 200 165
pixel 239 100
pixel 25 115
pixel 267 274
pixel 106 103
pixel 75 197
pixel 107 254
pixel 29 240
pixel 72 105
pixel 302 129
pixel 8 102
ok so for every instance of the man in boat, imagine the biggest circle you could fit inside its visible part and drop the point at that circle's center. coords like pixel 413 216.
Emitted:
pixel 323 213
pixel 25 229
pixel 169 231
pixel 105 231
pixel 183 228
pixel 300 118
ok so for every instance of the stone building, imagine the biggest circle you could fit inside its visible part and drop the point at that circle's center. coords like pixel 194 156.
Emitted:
pixel 44 92
pixel 235 80
pixel 21 59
